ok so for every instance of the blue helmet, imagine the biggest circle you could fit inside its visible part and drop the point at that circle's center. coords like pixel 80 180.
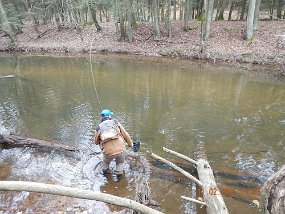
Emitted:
pixel 106 113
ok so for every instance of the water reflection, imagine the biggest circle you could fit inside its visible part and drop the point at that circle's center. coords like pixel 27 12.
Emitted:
pixel 239 117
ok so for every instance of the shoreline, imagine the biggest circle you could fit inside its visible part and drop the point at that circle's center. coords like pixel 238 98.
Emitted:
pixel 225 45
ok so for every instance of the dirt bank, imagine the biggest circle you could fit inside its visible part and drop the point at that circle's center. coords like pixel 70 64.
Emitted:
pixel 226 42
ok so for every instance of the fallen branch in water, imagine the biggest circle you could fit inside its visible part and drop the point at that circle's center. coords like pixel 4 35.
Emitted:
pixel 194 200
pixel 12 141
pixel 180 155
pixel 188 175
pixel 75 192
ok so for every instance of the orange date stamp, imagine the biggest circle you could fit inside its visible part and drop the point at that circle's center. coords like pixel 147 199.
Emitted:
pixel 230 191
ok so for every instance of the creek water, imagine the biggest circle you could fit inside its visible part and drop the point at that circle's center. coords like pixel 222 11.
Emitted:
pixel 237 114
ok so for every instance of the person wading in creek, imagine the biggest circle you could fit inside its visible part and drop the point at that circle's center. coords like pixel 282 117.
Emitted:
pixel 111 137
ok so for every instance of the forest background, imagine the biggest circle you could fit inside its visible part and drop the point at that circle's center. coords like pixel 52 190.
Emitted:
pixel 229 30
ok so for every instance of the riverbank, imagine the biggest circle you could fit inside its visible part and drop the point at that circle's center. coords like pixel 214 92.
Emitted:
pixel 226 42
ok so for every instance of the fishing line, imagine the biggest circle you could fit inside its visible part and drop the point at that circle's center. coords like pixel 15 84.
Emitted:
pixel 91 70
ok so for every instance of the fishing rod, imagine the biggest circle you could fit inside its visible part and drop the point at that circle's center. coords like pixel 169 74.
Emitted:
pixel 91 70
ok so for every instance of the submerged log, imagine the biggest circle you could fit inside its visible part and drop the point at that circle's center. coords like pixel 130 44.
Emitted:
pixel 273 193
pixel 75 192
pixel 12 141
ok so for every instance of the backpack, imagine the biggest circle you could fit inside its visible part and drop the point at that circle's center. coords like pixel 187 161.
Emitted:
pixel 108 130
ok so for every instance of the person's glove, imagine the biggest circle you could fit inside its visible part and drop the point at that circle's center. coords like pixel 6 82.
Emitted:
pixel 136 146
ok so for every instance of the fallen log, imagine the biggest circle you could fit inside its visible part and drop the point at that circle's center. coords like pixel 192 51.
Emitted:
pixel 12 141
pixel 75 192
pixel 212 195
pixel 273 193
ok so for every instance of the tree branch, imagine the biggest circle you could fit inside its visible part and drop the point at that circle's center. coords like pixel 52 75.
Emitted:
pixel 75 192
pixel 188 175
pixel 194 200
pixel 179 155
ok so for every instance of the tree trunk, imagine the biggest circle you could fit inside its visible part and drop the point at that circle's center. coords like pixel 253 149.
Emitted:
pixel 100 13
pixel 200 6
pixel 271 9
pixel 157 34
pixel 162 11
pixel 209 14
pixel 190 9
pixel 168 19
pixel 222 10
pixel 134 21
pixel 249 20
pixel 180 10
pixel 122 26
pixel 280 8
pixel 92 8
pixel 116 19
pixel 6 24
pixel 231 10
pixel 129 17
pixel 256 16
pixel 186 15
pixel 121 16
pixel 174 10
pixel 243 9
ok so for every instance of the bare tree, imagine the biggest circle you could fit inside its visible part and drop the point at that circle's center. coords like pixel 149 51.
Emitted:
pixel 256 16
pixel 209 14
pixel 243 9
pixel 6 27
pixel 250 18
pixel 168 19
pixel 187 13
pixel 129 17
pixel 280 6
pixel 93 12
pixel 232 5
pixel 155 7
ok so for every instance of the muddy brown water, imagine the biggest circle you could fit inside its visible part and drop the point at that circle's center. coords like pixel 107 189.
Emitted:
pixel 236 112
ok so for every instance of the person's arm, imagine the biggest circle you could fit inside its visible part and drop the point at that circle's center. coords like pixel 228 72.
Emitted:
pixel 97 137
pixel 125 135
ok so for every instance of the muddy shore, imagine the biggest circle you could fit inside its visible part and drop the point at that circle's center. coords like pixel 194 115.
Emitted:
pixel 225 44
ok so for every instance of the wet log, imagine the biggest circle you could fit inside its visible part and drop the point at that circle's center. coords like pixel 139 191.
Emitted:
pixel 75 192
pixel 212 195
pixel 273 193
pixel 11 141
